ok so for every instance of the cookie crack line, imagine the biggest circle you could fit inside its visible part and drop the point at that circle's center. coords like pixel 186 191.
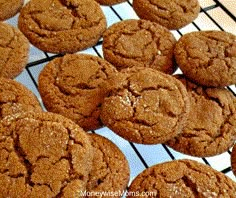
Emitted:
pixel 8 45
pixel 53 32
pixel 72 106
pixel 157 5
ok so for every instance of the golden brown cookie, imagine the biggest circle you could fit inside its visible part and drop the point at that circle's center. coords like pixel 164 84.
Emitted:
pixel 14 51
pixel 208 57
pixel 145 106
pixel 16 98
pixel 211 124
pixel 43 155
pixel 182 178
pixel 110 2
pixel 139 43
pixel 62 26
pixel 110 172
pixel 233 160
pixel 9 8
pixel 74 86
pixel 173 14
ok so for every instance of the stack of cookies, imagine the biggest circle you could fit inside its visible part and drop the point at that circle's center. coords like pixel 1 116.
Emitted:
pixel 132 91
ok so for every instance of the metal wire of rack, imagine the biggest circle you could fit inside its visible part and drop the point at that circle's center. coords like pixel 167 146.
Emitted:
pixel 214 15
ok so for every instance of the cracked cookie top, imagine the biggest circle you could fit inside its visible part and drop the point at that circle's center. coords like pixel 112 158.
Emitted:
pixel 62 26
pixel 75 86
pixel 14 51
pixel 110 171
pixel 182 178
pixel 208 57
pixel 211 124
pixel 139 43
pixel 145 106
pixel 16 98
pixel 43 155
pixel 9 8
pixel 172 14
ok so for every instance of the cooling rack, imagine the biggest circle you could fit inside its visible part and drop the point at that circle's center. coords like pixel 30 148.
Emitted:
pixel 214 15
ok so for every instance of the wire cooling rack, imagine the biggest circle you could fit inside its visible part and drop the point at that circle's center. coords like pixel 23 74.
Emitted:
pixel 214 15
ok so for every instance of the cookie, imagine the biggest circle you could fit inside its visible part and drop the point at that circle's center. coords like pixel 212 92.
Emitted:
pixel 182 178
pixel 110 2
pixel 145 106
pixel 211 124
pixel 62 26
pixel 9 8
pixel 233 160
pixel 208 57
pixel 139 43
pixel 110 172
pixel 43 155
pixel 74 86
pixel 14 51
pixel 173 14
pixel 16 98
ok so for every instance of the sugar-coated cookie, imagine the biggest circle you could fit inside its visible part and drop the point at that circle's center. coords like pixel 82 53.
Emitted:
pixel 145 106
pixel 173 14
pixel 182 178
pixel 43 155
pixel 211 124
pixel 75 86
pixel 9 8
pixel 110 171
pixel 139 43
pixel 208 57
pixel 62 26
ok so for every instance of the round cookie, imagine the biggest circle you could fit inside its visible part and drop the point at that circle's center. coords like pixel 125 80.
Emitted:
pixel 211 124
pixel 9 8
pixel 172 14
pixel 182 178
pixel 233 160
pixel 145 106
pixel 43 155
pixel 62 26
pixel 16 98
pixel 14 51
pixel 139 43
pixel 110 2
pixel 110 172
pixel 208 57
pixel 74 86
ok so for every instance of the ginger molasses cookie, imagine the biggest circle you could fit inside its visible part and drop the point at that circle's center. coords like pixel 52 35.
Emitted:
pixel 62 26
pixel 208 57
pixel 110 172
pixel 16 98
pixel 211 124
pixel 145 106
pixel 182 178
pixel 110 2
pixel 9 8
pixel 173 14
pixel 139 43
pixel 233 160
pixel 43 155
pixel 74 86
pixel 14 51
